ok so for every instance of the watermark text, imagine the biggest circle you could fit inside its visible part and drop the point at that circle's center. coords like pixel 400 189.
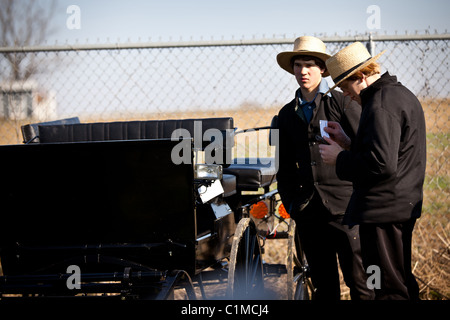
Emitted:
pixel 73 21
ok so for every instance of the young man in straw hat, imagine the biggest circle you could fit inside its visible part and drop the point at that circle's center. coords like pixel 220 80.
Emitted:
pixel 311 192
pixel 385 162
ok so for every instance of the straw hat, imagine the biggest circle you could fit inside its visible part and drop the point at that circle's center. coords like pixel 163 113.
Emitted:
pixel 348 61
pixel 304 46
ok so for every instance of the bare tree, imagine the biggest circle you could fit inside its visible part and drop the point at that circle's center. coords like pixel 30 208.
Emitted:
pixel 24 23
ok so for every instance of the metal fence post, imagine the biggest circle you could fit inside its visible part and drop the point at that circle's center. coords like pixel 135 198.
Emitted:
pixel 371 45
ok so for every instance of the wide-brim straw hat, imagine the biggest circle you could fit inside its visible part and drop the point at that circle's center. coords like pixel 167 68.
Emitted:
pixel 304 46
pixel 348 61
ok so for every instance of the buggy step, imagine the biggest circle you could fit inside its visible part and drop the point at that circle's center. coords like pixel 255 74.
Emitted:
pixel 274 269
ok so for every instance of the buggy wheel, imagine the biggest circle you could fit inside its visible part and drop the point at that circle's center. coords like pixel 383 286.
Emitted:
pixel 302 289
pixel 172 281
pixel 290 260
pixel 297 268
pixel 245 272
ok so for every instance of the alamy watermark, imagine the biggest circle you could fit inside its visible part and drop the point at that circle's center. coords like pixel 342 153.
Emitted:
pixel 74 280
pixel 374 20
pixel 219 150
pixel 73 21
pixel 374 280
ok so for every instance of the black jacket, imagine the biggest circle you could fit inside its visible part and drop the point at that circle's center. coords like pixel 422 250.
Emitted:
pixel 387 159
pixel 301 170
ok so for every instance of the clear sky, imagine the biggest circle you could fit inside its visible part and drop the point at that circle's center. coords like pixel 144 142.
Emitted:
pixel 121 21
pixel 141 20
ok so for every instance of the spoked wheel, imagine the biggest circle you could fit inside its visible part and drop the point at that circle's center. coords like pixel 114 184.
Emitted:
pixel 297 268
pixel 245 272
pixel 290 260
pixel 177 278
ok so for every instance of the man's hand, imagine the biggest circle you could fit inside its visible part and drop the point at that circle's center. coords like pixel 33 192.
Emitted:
pixel 336 133
pixel 330 152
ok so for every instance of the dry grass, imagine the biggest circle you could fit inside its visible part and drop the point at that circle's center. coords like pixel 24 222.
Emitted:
pixel 431 258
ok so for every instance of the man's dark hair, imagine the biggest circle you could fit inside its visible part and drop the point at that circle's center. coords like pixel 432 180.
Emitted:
pixel 320 63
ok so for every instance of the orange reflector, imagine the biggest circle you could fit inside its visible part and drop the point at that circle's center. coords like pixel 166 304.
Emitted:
pixel 282 212
pixel 259 210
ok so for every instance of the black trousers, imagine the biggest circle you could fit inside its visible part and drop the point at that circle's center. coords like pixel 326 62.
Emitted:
pixel 388 246
pixel 324 239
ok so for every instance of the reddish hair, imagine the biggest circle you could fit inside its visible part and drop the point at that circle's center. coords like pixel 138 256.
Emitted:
pixel 369 70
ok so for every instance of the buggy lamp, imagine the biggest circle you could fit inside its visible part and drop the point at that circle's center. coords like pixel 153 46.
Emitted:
pixel 259 210
pixel 283 212
pixel 208 171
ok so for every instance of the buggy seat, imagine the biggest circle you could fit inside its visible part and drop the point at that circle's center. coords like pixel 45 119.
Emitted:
pixel 242 174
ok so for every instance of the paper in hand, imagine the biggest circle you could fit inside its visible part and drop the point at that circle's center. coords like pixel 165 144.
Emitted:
pixel 323 124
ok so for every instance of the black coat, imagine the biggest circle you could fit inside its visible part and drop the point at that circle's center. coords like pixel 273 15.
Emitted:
pixel 301 170
pixel 387 159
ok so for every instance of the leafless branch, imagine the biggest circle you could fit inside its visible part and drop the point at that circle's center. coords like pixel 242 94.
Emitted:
pixel 23 23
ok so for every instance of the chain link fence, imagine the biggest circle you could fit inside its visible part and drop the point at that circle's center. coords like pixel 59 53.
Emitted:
pixel 240 79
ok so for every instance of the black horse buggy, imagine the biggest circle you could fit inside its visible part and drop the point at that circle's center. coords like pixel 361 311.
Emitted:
pixel 137 209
